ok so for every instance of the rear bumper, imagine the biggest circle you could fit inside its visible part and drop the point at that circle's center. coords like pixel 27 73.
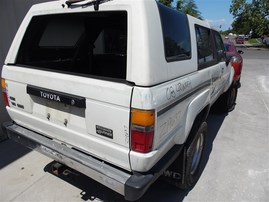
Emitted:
pixel 131 185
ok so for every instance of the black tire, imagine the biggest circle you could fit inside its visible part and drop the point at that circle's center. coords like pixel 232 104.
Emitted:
pixel 195 151
pixel 227 101
pixel 231 96
pixel 186 169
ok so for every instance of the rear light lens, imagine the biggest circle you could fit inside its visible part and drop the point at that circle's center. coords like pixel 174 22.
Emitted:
pixel 236 63
pixel 4 89
pixel 236 60
pixel 142 130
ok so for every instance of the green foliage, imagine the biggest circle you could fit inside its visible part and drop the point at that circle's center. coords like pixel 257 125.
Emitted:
pixel 237 7
pixel 166 2
pixel 185 6
pixel 253 41
pixel 188 7
pixel 252 16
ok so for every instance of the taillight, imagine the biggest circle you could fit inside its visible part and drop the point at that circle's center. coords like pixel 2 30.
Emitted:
pixel 142 130
pixel 4 89
pixel 236 61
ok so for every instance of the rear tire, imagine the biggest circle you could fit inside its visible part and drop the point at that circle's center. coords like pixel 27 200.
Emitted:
pixel 231 98
pixel 194 157
pixel 186 170
pixel 227 101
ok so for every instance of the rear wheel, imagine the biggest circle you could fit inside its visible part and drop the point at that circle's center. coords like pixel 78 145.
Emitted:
pixel 231 98
pixel 186 170
pixel 194 157
pixel 227 101
pixel 196 153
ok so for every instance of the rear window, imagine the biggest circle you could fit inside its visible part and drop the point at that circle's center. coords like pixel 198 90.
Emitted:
pixel 219 47
pixel 176 34
pixel 204 47
pixel 229 47
pixel 88 44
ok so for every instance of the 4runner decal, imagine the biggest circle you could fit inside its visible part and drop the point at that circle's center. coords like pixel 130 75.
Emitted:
pixel 104 131
pixel 177 89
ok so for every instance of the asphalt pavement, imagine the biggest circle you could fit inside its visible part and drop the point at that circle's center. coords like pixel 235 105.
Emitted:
pixel 236 167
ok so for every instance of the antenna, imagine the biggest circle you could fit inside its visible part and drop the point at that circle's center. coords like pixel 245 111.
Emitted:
pixel 96 5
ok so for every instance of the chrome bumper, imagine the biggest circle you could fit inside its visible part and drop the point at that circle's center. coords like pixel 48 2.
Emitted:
pixel 131 185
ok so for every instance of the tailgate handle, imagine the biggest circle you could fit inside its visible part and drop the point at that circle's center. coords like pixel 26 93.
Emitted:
pixel 57 96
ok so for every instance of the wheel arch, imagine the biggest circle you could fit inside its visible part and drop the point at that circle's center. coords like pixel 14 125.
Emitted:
pixel 200 118
pixel 197 112
pixel 230 80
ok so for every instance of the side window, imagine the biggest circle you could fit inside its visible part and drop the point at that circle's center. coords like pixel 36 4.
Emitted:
pixel 176 34
pixel 204 45
pixel 219 47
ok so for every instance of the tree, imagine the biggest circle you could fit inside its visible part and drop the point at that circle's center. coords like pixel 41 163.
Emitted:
pixel 252 16
pixel 166 2
pixel 189 7
pixel 237 7
pixel 185 6
pixel 260 19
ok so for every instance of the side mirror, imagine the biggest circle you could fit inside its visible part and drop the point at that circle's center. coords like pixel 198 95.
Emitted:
pixel 240 51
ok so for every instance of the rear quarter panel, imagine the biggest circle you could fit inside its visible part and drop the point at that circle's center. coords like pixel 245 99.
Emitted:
pixel 176 105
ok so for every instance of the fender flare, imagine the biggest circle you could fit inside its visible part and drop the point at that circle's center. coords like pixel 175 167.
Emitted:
pixel 230 80
pixel 197 105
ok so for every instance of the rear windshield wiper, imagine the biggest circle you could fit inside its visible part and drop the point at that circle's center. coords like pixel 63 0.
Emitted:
pixel 95 3
pixel 70 2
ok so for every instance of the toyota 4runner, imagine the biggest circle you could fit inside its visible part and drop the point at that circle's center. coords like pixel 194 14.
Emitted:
pixel 118 90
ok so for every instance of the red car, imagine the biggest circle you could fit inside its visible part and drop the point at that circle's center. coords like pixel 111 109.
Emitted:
pixel 239 40
pixel 235 58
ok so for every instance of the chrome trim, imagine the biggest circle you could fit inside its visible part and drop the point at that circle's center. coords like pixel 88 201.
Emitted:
pixel 103 173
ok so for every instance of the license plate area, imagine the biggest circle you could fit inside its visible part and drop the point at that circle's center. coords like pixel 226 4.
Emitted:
pixel 58 108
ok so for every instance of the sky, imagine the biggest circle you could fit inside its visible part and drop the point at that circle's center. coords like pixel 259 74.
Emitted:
pixel 216 12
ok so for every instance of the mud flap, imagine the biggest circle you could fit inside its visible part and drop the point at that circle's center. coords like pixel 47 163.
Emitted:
pixel 174 175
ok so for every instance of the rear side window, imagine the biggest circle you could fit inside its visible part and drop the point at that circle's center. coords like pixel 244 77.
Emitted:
pixel 228 47
pixel 176 34
pixel 204 46
pixel 88 44
pixel 219 46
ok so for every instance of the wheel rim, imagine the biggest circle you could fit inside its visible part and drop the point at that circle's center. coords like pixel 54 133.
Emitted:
pixel 197 153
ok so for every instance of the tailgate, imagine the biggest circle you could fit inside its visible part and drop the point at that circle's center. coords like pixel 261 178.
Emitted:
pixel 68 81
pixel 88 114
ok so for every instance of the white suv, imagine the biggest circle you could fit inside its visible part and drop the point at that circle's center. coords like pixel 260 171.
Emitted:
pixel 118 90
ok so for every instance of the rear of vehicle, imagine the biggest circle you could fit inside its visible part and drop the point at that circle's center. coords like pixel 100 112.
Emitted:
pixel 239 40
pixel 64 82
pixel 110 90
pixel 68 82
pixel 59 83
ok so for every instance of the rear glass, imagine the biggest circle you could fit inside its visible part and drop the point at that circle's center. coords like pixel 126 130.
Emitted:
pixel 229 47
pixel 89 44
pixel 204 46
pixel 176 34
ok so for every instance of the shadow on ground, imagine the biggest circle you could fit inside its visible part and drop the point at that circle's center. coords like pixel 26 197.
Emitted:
pixel 10 151
pixel 158 192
